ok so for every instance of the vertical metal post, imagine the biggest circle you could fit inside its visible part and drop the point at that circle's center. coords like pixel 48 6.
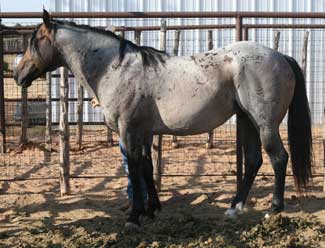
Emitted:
pixel 304 53
pixel 2 99
pixel 80 108
pixel 209 143
pixel 239 151
pixel 24 105
pixel 48 130
pixel 239 28
pixel 323 132
pixel 64 134
pixel 245 35
pixel 210 39
pixel 157 141
pixel 276 40
pixel 175 51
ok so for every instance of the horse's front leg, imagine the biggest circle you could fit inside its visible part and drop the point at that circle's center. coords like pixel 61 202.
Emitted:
pixel 133 141
pixel 153 199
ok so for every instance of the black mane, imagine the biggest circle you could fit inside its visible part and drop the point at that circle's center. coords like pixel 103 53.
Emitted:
pixel 150 56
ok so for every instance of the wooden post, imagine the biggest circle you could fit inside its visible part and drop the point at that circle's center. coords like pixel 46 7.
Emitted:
pixel 110 141
pixel 276 40
pixel 239 151
pixel 163 27
pixel 304 53
pixel 175 51
pixel 209 143
pixel 157 141
pixel 64 134
pixel 48 130
pixel 156 160
pixel 137 37
pixel 176 42
pixel 24 105
pixel 2 100
pixel 80 110
pixel 122 34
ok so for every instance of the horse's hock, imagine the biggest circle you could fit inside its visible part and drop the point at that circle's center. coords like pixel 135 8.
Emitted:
pixel 190 159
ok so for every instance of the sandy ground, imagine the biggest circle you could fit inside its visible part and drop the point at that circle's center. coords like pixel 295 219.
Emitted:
pixel 32 213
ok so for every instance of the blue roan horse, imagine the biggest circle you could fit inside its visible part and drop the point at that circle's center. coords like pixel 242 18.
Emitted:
pixel 144 92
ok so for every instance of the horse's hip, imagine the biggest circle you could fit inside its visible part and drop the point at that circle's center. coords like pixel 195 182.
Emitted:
pixel 266 93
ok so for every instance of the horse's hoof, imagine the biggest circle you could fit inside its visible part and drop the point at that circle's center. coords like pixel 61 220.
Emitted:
pixel 132 226
pixel 152 209
pixel 233 212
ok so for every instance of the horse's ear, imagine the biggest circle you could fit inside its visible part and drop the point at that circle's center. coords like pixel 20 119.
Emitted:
pixel 46 18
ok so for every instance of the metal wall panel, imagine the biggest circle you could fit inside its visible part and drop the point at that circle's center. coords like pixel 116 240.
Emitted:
pixel 196 40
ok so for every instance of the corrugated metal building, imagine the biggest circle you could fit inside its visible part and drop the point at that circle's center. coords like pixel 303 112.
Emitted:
pixel 194 41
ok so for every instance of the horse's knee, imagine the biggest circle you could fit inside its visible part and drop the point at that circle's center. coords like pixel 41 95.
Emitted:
pixel 272 142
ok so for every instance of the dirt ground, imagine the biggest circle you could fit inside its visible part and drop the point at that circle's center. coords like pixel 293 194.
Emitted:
pixel 32 213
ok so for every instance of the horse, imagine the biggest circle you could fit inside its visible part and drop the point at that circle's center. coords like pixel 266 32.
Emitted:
pixel 145 92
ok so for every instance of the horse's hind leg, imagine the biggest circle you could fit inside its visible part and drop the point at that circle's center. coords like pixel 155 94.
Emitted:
pixel 273 146
pixel 153 199
pixel 253 161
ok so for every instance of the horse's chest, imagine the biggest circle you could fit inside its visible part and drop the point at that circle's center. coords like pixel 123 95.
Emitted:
pixel 111 120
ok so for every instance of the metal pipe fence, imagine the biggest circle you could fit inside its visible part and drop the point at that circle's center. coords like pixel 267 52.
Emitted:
pixel 90 155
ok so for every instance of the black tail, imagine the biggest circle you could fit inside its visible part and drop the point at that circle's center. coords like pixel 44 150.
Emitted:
pixel 299 130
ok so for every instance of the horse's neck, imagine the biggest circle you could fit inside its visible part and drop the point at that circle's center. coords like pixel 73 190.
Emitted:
pixel 89 56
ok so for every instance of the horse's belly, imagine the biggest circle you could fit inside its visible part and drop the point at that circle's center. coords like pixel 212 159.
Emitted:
pixel 193 117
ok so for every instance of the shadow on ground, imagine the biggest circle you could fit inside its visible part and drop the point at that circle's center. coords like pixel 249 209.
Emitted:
pixel 96 220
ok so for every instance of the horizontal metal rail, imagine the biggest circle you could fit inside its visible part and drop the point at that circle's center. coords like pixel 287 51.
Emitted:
pixel 10 75
pixel 71 123
pixel 54 99
pixel 169 14
pixel 30 29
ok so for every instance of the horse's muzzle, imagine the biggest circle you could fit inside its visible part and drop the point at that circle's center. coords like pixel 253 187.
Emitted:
pixel 24 78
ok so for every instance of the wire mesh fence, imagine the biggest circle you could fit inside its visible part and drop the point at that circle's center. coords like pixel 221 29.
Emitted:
pixel 32 159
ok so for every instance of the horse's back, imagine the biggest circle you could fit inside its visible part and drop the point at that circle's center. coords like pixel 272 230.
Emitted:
pixel 198 93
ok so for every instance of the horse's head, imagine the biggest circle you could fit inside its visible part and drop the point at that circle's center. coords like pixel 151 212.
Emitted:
pixel 41 54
